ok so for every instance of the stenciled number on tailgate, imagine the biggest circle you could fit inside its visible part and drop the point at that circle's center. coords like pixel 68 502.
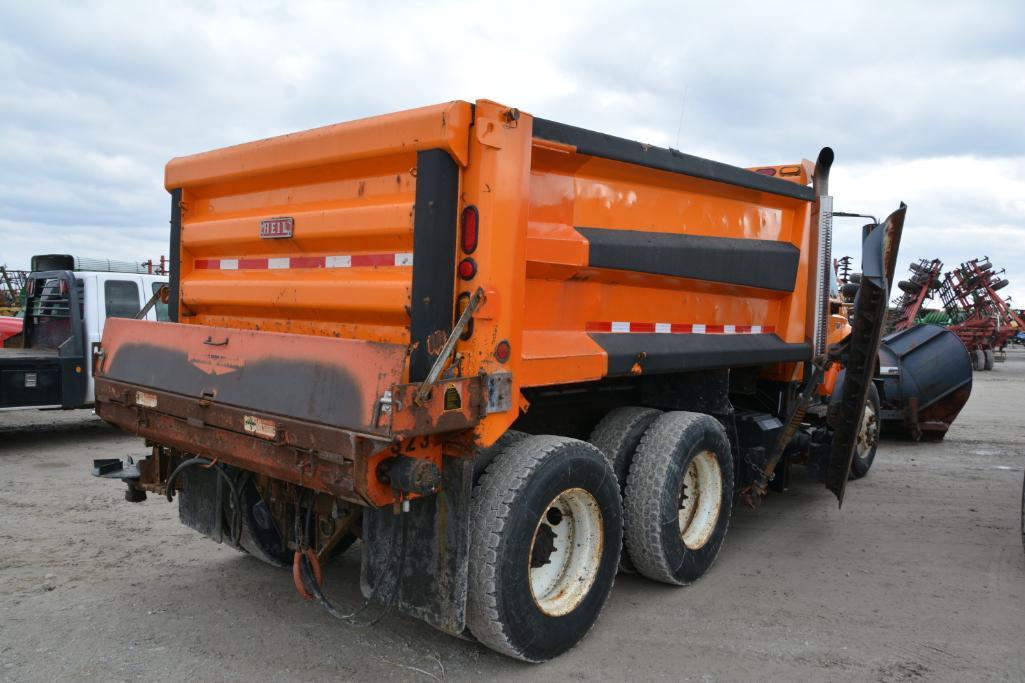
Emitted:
pixel 276 228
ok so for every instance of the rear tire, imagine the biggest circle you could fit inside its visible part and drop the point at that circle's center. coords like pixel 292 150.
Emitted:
pixel 617 437
pixel 978 359
pixel 989 358
pixel 487 455
pixel 545 539
pixel 679 495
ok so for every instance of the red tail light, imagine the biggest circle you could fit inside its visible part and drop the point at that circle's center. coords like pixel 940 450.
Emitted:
pixel 64 287
pixel 30 287
pixel 766 171
pixel 503 351
pixel 470 229
pixel 467 268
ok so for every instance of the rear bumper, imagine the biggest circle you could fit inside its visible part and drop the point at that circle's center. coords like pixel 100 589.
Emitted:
pixel 311 455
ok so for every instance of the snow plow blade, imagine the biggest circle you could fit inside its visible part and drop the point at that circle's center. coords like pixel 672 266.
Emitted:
pixel 879 260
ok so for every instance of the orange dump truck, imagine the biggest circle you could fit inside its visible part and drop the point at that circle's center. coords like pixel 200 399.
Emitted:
pixel 506 354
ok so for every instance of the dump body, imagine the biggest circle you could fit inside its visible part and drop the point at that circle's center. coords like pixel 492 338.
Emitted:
pixel 302 256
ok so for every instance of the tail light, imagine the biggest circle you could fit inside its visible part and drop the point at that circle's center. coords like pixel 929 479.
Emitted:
pixel 467 268
pixel 63 288
pixel 30 286
pixel 503 351
pixel 470 229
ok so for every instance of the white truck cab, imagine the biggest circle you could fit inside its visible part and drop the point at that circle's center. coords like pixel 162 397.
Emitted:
pixel 49 365
pixel 115 295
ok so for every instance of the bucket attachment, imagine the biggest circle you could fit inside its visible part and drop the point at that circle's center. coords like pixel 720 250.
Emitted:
pixel 879 260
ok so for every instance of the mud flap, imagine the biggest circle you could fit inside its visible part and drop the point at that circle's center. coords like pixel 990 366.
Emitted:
pixel 201 501
pixel 435 559
pixel 879 259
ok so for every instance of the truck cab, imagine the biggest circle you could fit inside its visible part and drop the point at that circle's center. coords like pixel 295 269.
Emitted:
pixel 66 309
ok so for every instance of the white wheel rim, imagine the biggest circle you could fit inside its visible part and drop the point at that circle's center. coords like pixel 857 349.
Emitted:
pixel 869 432
pixel 569 560
pixel 700 500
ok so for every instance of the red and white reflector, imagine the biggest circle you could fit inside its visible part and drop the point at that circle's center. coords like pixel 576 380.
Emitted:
pixel 624 327
pixel 296 262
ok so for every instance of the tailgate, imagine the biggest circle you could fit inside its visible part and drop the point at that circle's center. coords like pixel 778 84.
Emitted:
pixel 324 380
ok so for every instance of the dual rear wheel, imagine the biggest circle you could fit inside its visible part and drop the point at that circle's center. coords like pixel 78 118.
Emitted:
pixel 676 476
pixel 549 515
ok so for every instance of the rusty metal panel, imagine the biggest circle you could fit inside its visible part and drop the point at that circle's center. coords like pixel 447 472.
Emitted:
pixel 335 382
pixel 452 405
pixel 275 459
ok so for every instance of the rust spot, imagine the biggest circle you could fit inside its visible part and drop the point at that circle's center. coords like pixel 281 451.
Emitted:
pixel 435 341
pixel 637 368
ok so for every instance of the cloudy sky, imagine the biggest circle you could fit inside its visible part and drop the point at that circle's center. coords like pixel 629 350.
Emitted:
pixel 922 101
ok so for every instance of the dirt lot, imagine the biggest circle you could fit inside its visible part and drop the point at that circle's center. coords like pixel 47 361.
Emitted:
pixel 921 575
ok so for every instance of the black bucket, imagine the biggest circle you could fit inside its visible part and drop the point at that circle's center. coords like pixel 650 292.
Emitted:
pixel 925 377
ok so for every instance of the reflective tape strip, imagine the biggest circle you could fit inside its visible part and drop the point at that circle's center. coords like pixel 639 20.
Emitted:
pixel 295 262
pixel 626 327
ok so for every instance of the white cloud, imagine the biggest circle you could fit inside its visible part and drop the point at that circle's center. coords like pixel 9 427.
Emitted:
pixel 921 100
pixel 958 208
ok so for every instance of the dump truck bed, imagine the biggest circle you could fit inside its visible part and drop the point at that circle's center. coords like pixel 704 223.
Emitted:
pixel 627 247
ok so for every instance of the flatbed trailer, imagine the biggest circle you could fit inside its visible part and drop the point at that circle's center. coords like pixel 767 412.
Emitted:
pixel 491 346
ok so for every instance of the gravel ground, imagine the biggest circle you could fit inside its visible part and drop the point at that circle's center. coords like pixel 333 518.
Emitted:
pixel 920 576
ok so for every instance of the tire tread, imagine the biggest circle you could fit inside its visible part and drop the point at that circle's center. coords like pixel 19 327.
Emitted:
pixel 642 512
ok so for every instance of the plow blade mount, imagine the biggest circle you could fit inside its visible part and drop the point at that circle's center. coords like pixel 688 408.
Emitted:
pixel 927 379
pixel 879 260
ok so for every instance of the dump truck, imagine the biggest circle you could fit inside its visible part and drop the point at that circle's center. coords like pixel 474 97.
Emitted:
pixel 509 356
